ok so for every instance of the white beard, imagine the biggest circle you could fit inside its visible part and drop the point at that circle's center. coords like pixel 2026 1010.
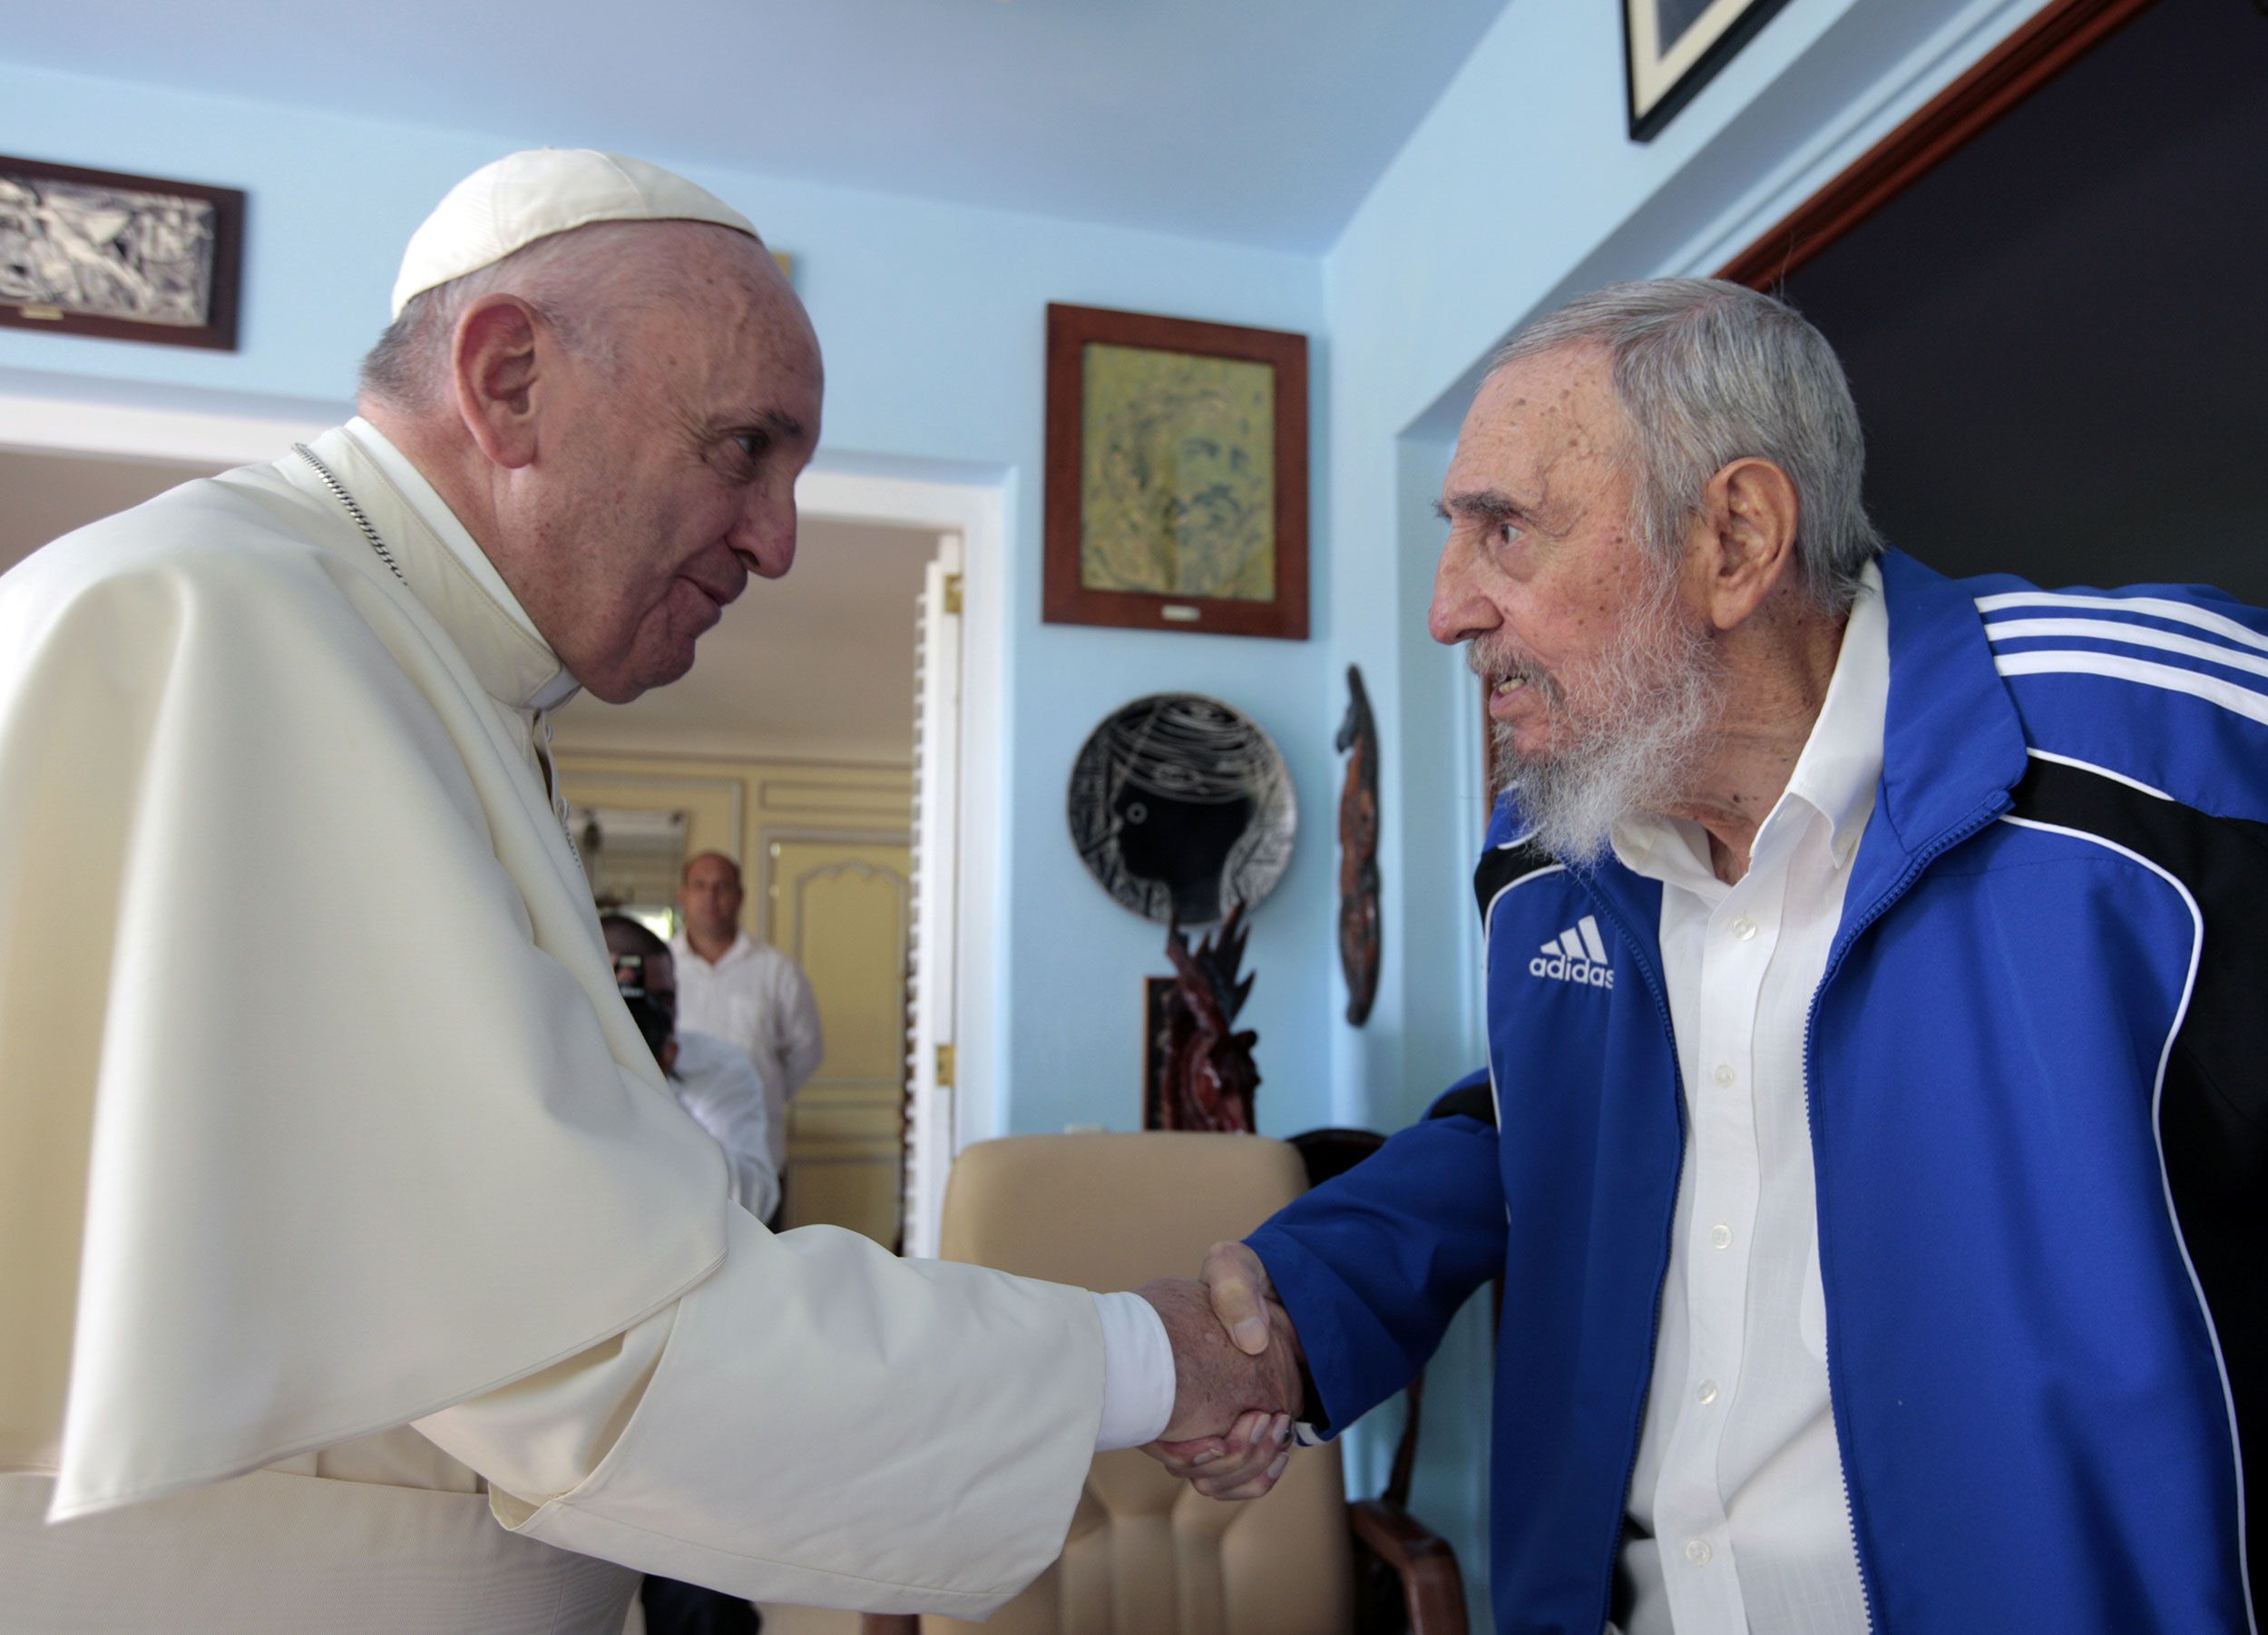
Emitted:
pixel 1627 731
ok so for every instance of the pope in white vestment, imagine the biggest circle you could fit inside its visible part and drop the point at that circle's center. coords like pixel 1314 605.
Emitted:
pixel 304 1241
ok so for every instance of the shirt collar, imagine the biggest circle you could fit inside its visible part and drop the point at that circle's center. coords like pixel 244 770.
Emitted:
pixel 435 513
pixel 1842 763
pixel 741 945
pixel 1836 775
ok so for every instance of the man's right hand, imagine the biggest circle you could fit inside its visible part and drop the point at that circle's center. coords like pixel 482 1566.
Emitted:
pixel 1247 1459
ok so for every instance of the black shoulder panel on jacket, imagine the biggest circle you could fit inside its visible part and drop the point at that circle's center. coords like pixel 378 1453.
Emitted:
pixel 2213 1109
pixel 1500 865
pixel 1474 1101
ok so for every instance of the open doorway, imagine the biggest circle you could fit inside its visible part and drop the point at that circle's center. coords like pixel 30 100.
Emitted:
pixel 790 748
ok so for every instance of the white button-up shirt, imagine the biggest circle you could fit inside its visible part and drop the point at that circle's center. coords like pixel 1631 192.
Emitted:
pixel 1739 1521
pixel 759 999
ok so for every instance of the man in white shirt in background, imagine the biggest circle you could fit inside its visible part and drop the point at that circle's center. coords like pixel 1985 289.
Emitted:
pixel 714 1082
pixel 745 993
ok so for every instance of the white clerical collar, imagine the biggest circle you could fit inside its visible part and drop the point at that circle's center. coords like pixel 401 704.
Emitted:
pixel 435 513
pixel 1835 776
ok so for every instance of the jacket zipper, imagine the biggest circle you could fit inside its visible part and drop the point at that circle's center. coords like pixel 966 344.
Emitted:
pixel 1669 1227
pixel 1874 911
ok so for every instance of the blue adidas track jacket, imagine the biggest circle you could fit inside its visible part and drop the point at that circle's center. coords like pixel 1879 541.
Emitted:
pixel 2035 1072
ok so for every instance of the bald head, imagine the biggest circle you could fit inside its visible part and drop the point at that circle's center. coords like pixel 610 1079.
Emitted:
pixel 710 866
pixel 709 897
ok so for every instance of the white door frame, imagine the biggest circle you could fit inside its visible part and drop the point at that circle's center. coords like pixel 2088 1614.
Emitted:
pixel 32 421
pixel 978 513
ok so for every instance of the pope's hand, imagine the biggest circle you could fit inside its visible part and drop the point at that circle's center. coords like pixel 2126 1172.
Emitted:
pixel 1243 1458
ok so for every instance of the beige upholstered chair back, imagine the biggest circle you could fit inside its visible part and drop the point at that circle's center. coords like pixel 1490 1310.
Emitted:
pixel 1147 1555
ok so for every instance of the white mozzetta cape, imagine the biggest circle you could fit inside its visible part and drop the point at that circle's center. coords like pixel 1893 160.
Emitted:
pixel 319 1112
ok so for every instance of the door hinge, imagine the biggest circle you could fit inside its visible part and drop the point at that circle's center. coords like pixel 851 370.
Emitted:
pixel 945 1066
pixel 952 593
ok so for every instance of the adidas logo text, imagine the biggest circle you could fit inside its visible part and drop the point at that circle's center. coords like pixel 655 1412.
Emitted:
pixel 1576 956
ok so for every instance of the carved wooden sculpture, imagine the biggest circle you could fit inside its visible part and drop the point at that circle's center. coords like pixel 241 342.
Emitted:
pixel 1360 932
pixel 1208 1070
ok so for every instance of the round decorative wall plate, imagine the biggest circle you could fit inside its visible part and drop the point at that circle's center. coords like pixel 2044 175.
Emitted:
pixel 1180 807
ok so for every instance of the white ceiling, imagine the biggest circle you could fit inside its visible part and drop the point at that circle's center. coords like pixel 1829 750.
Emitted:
pixel 1260 122
pixel 818 664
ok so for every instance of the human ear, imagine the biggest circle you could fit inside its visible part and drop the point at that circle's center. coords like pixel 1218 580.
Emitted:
pixel 495 359
pixel 1749 512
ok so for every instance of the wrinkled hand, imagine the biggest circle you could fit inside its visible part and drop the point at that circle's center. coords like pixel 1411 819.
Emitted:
pixel 1244 1458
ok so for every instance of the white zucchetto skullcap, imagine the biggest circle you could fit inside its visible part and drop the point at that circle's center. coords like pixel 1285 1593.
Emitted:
pixel 523 196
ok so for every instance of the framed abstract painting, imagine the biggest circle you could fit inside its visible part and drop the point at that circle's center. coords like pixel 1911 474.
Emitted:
pixel 1177 475
pixel 1674 47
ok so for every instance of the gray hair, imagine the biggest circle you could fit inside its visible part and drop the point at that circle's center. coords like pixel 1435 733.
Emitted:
pixel 584 283
pixel 1708 373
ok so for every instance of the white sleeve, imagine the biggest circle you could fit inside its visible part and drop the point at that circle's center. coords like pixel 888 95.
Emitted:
pixel 820 1423
pixel 721 1089
pixel 1138 1376
pixel 798 1043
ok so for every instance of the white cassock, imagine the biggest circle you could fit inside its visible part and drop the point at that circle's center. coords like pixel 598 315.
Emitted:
pixel 333 1170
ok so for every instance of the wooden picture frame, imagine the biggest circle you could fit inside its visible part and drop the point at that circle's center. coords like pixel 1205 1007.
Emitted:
pixel 1177 475
pixel 117 256
pixel 1671 48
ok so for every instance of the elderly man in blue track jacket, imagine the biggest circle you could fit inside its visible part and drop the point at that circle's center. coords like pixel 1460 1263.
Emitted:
pixel 1871 1144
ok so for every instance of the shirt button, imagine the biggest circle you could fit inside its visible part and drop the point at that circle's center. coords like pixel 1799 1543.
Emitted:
pixel 1707 1392
pixel 1698 1552
pixel 1724 1074
pixel 1721 1236
pixel 1743 927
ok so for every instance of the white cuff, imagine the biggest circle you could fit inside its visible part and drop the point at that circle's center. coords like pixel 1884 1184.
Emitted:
pixel 1138 1377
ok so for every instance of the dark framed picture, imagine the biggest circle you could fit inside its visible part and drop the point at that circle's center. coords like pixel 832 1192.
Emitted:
pixel 125 258
pixel 1674 47
pixel 1177 475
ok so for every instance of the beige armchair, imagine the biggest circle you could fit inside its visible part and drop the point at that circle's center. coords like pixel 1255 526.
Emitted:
pixel 1146 1554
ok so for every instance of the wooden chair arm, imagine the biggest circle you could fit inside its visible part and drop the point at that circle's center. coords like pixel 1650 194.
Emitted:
pixel 1433 1589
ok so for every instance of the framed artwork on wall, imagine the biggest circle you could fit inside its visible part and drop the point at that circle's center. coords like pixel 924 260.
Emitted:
pixel 1177 475
pixel 1671 48
pixel 122 257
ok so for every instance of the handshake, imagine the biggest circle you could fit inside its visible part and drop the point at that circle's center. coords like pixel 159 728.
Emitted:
pixel 1237 1388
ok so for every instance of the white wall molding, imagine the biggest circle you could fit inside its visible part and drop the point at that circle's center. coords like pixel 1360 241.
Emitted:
pixel 36 424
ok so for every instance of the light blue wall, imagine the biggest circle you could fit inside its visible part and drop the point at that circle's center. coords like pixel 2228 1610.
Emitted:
pixel 1520 188
pixel 932 318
